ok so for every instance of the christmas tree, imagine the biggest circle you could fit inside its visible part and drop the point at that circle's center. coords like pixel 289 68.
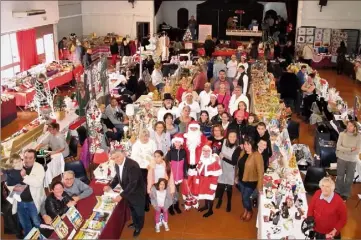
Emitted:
pixel 187 36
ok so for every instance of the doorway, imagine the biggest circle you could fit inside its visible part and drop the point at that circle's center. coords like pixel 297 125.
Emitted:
pixel 49 47
pixel 143 30
pixel 182 18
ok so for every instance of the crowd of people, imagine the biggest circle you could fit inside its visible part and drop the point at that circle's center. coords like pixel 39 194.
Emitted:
pixel 204 141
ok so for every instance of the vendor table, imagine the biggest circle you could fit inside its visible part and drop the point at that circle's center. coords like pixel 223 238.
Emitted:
pixel 8 111
pixel 244 33
pixel 265 228
pixel 223 53
pixel 65 77
pixel 23 98
pixel 115 224
pixel 100 50
pixel 322 61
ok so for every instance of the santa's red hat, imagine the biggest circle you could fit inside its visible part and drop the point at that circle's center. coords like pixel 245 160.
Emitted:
pixel 178 138
pixel 244 56
pixel 193 124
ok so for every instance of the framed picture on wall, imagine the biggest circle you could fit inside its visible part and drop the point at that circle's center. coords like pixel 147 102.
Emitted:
pixel 309 39
pixel 302 31
pixel 301 39
pixel 310 31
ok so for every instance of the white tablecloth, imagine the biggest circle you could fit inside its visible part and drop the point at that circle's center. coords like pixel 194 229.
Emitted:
pixel 265 229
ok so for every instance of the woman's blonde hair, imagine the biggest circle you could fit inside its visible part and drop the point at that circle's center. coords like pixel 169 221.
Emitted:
pixel 329 181
pixel 354 123
pixel 144 132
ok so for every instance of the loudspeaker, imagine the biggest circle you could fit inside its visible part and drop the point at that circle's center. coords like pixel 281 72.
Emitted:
pixel 323 2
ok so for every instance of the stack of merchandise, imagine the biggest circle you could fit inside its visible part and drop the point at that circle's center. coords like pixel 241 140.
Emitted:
pixel 97 221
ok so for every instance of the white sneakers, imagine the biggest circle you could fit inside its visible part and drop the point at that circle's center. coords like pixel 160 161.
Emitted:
pixel 166 228
pixel 158 225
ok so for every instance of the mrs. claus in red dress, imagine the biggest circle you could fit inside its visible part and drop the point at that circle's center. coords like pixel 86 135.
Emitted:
pixel 209 169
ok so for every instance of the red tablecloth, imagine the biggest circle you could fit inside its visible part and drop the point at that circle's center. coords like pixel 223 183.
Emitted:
pixel 66 77
pixel 78 71
pixel 100 158
pixel 23 99
pixel 217 53
pixel 8 111
pixel 77 123
pixel 324 63
pixel 114 227
pixel 59 80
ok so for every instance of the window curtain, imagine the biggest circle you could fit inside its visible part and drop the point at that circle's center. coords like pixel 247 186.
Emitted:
pixel 27 48
pixel 292 8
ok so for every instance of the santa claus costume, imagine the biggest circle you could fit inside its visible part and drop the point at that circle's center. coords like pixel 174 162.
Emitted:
pixel 194 142
pixel 209 169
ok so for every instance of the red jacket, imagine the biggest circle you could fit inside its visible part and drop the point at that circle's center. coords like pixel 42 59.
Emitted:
pixel 199 81
pixel 328 215
pixel 179 94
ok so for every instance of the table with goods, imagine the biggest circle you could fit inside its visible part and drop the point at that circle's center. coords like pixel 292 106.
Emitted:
pixel 283 203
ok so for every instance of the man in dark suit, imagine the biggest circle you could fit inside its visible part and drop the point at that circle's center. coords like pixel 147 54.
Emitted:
pixel 129 176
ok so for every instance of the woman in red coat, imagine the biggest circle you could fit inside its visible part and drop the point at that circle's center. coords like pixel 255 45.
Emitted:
pixel 328 210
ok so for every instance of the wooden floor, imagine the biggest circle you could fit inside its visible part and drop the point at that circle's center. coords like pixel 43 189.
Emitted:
pixel 191 225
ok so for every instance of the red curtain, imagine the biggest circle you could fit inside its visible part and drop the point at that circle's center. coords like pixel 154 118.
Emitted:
pixel 27 48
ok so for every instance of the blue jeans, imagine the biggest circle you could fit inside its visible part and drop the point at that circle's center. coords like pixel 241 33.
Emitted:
pixel 28 216
pixel 246 193
pixel 119 127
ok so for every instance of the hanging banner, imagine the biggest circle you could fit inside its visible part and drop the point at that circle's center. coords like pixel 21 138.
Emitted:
pixel 204 31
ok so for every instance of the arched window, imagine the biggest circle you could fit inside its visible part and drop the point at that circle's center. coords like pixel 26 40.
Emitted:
pixel 182 18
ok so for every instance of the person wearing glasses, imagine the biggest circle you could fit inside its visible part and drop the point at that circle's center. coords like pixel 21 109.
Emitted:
pixel 74 187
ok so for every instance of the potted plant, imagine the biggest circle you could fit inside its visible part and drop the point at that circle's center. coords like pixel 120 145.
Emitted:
pixel 59 107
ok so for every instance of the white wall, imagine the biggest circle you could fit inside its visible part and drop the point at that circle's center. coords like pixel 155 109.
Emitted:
pixel 104 17
pixel 168 10
pixel 337 14
pixel 11 24
pixel 279 7
pixel 70 19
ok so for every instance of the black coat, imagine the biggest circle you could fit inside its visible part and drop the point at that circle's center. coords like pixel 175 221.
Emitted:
pixel 55 207
pixel 277 52
pixel 114 48
pixel 132 183
pixel 268 151
pixel 239 128
pixel 209 47
pixel 288 86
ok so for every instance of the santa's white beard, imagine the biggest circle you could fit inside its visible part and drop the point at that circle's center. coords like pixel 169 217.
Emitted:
pixel 206 160
pixel 193 139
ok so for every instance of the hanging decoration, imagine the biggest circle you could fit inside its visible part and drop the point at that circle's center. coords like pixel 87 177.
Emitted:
pixel 94 126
